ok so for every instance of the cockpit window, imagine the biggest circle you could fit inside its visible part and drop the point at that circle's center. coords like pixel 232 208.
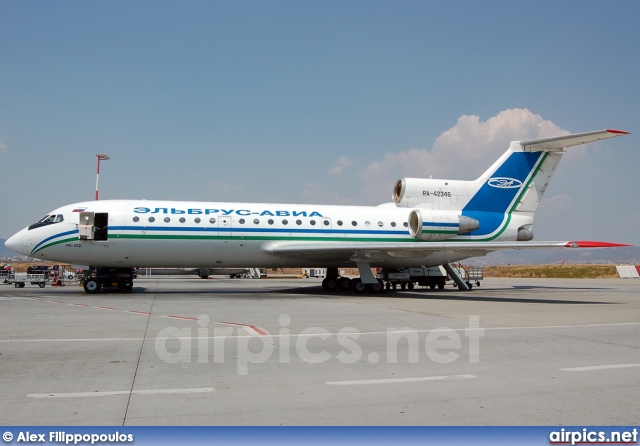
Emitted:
pixel 47 220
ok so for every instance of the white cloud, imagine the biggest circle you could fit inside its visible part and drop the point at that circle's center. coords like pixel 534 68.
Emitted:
pixel 557 202
pixel 462 152
pixel 225 189
pixel 469 147
pixel 634 218
pixel 3 147
pixel 315 193
pixel 343 163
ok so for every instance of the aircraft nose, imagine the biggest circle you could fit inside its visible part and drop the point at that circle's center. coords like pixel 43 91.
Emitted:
pixel 17 243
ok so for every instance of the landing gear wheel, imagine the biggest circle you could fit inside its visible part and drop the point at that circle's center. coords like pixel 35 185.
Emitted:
pixel 374 288
pixel 410 285
pixel 329 284
pixel 344 284
pixel 92 286
pixel 469 285
pixel 357 286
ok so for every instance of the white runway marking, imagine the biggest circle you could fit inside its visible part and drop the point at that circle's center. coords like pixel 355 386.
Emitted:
pixel 120 392
pixel 398 380
pixel 363 333
pixel 599 367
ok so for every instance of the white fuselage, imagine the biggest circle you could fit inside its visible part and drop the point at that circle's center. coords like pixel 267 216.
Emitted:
pixel 163 234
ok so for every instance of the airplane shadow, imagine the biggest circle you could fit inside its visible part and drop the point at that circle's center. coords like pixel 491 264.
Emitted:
pixel 452 294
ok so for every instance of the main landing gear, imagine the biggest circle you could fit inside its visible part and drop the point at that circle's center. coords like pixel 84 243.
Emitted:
pixel 365 283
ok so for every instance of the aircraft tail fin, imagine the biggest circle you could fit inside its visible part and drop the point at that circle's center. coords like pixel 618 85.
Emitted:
pixel 518 180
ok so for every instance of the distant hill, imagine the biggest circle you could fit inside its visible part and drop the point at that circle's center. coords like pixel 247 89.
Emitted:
pixel 626 255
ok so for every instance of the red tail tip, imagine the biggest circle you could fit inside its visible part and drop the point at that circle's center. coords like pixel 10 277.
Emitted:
pixel 620 132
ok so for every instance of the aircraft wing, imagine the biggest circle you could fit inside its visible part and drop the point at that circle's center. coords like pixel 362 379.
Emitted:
pixel 371 251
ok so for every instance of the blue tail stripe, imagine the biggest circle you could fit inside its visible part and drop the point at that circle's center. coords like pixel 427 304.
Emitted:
pixel 490 204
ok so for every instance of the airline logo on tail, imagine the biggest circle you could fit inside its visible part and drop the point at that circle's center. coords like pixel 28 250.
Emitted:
pixel 504 183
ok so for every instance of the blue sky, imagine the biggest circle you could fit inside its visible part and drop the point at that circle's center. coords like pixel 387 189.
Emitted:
pixel 315 101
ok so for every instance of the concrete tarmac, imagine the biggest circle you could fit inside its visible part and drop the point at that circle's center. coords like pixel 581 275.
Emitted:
pixel 187 351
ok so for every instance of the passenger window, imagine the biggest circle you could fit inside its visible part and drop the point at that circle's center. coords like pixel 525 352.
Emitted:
pixel 136 219
pixel 197 220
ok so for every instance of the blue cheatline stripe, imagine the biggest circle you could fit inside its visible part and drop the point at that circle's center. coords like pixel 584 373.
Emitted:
pixel 48 239
pixel 428 223
pixel 222 232
pixel 240 229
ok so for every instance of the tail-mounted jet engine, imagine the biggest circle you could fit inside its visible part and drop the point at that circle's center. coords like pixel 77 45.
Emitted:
pixel 439 225
pixel 428 193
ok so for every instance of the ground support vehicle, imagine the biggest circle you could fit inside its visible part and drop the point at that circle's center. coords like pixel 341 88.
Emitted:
pixel 19 280
pixel 408 278
pixel 95 279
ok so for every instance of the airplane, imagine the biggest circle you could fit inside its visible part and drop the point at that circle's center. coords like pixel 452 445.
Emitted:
pixel 431 222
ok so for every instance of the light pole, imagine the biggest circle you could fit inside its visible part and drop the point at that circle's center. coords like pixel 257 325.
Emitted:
pixel 100 157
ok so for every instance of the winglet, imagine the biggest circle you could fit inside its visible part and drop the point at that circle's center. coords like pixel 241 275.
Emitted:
pixel 593 244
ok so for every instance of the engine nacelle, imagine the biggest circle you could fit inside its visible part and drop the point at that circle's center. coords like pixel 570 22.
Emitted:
pixel 524 235
pixel 430 193
pixel 439 225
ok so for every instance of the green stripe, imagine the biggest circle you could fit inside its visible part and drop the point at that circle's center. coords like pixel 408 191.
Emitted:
pixel 257 237
pixel 58 242
pixel 513 207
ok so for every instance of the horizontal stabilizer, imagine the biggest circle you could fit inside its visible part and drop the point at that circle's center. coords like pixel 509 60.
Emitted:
pixel 559 143
pixel 593 244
